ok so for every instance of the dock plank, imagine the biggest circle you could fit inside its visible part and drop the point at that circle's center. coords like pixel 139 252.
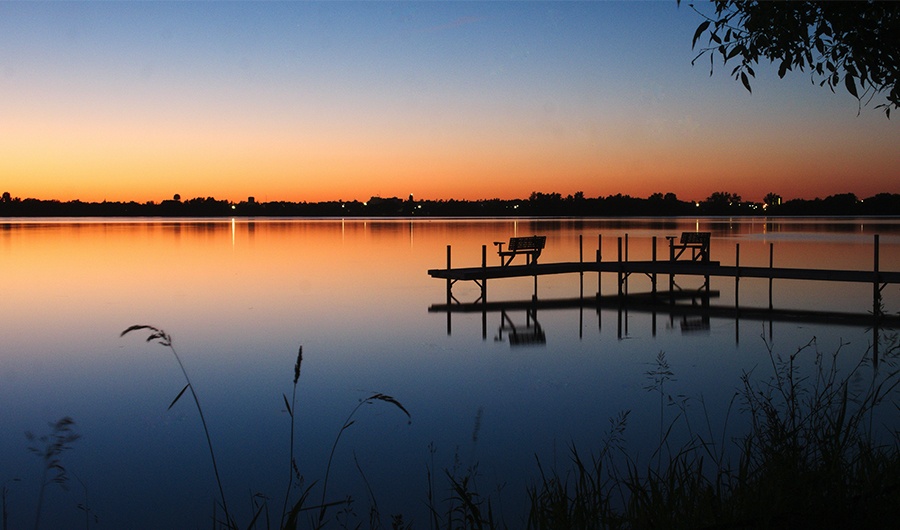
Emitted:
pixel 711 268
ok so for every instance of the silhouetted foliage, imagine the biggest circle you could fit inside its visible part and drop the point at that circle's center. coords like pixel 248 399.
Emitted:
pixel 851 44
pixel 538 204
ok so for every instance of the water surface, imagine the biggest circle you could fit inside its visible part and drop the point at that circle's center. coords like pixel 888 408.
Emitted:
pixel 240 296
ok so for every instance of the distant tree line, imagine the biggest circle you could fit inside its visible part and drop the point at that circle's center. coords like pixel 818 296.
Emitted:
pixel 537 204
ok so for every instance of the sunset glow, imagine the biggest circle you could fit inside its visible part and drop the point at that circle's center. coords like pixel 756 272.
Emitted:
pixel 328 101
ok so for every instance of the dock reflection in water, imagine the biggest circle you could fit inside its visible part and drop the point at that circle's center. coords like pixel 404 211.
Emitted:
pixel 694 317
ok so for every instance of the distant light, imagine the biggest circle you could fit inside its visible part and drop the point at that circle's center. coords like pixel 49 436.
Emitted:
pixel 233 207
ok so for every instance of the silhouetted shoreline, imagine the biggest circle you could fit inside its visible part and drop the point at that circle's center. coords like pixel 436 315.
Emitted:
pixel 538 204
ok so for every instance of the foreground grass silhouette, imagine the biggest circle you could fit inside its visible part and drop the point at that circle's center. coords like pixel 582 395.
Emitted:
pixel 815 455
pixel 289 516
pixel 818 449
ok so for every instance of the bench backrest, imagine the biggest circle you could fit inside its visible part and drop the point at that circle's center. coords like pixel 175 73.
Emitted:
pixel 527 243
pixel 695 238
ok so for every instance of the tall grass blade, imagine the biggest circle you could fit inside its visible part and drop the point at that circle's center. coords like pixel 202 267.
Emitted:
pixel 292 463
pixel 172 404
pixel 165 340
pixel 347 423
pixel 287 406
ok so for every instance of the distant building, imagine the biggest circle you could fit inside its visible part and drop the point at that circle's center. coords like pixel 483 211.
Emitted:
pixel 251 199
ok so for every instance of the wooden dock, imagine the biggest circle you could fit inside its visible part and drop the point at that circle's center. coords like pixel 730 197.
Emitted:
pixel 671 268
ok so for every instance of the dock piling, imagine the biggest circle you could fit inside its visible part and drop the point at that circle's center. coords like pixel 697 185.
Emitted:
pixel 876 293
pixel 653 276
pixel 771 266
pixel 619 269
pixel 737 273
pixel 484 277
pixel 875 277
pixel 599 259
pixel 581 261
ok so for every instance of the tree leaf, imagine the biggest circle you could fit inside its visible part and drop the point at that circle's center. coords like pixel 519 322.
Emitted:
pixel 785 66
pixel 700 29
pixel 746 82
pixel 734 51
pixel 851 86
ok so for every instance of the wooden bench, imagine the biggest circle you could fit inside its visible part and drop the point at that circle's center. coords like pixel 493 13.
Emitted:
pixel 531 247
pixel 697 242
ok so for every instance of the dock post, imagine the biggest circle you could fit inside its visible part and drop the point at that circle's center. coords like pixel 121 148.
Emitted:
pixel 449 295
pixel 449 282
pixel 484 274
pixel 599 259
pixel 580 267
pixel 737 275
pixel 653 285
pixel 876 305
pixel 876 287
pixel 653 276
pixel 671 274
pixel 771 263
pixel 619 268
pixel 627 274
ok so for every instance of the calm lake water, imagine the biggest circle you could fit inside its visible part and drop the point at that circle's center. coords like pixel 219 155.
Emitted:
pixel 240 296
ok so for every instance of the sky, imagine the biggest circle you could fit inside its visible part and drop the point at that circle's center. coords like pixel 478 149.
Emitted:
pixel 322 101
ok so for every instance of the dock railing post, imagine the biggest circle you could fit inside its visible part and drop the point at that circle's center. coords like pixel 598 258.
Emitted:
pixel 876 305
pixel 619 268
pixel 771 264
pixel 671 273
pixel 580 267
pixel 737 276
pixel 626 261
pixel 449 282
pixel 449 295
pixel 876 287
pixel 599 259
pixel 653 276
pixel 483 274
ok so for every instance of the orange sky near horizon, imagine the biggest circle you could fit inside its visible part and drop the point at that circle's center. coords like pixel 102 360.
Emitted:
pixel 114 164
pixel 467 101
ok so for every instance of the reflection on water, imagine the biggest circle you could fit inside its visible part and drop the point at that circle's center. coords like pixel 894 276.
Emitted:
pixel 239 296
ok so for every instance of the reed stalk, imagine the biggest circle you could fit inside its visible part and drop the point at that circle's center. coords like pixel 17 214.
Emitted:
pixel 293 468
pixel 164 339
pixel 347 423
pixel 49 448
pixel 810 457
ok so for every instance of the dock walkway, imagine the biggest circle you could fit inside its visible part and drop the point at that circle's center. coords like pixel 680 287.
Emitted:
pixel 670 267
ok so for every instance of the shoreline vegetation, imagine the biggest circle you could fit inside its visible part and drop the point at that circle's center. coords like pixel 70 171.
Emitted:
pixel 812 449
pixel 536 205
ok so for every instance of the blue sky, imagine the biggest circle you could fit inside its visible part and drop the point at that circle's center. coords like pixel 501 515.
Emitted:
pixel 345 100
